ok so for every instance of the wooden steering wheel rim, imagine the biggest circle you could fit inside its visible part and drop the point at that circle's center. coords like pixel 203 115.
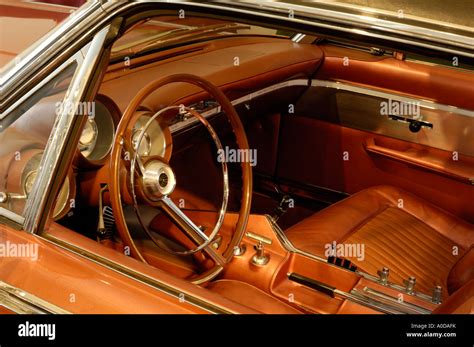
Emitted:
pixel 241 139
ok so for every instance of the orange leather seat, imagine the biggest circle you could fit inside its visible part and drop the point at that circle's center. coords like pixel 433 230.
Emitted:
pixel 250 296
pixel 398 230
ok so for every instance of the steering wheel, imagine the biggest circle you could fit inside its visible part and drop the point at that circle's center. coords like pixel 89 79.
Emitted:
pixel 152 179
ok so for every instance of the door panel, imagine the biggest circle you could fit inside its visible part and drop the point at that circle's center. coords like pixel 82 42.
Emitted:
pixel 444 127
pixel 342 138
pixel 329 155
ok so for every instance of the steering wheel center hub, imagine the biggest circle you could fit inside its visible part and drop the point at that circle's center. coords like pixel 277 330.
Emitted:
pixel 158 179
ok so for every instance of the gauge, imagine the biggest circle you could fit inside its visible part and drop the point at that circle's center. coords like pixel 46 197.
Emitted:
pixel 61 207
pixel 66 193
pixel 30 172
pixel 155 141
pixel 88 138
pixel 98 133
pixel 29 180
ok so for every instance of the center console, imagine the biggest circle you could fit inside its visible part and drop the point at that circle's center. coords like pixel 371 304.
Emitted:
pixel 267 260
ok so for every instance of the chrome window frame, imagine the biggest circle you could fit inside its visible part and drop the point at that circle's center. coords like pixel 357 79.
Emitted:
pixel 95 14
pixel 47 54
pixel 77 58
pixel 368 20
pixel 62 129
pixel 96 18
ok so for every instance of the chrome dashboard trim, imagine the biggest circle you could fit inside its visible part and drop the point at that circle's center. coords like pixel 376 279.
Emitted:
pixel 216 110
pixel 328 84
pixel 385 95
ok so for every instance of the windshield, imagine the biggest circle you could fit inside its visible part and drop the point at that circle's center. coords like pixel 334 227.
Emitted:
pixel 168 31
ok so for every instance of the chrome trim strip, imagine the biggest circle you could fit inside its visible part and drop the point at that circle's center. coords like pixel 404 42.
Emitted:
pixel 355 296
pixel 23 302
pixel 287 243
pixel 366 21
pixel 328 84
pixel 213 111
pixel 363 24
pixel 63 125
pixel 395 286
pixel 392 301
pixel 384 95
pixel 298 37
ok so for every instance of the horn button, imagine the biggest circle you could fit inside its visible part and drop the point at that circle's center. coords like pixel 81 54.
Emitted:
pixel 158 180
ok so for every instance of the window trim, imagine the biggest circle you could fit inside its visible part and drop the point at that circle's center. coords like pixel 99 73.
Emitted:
pixel 77 58
pixel 49 178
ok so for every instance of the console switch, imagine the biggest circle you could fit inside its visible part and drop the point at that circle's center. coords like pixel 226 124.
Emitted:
pixel 383 275
pixel 410 285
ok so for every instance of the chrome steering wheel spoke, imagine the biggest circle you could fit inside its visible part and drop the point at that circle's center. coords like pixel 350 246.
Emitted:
pixel 192 230
pixel 158 181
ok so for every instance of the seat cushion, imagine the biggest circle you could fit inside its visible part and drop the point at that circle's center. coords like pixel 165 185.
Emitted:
pixel 397 230
pixel 250 296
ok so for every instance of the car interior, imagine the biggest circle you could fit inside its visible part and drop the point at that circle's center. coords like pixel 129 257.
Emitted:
pixel 326 168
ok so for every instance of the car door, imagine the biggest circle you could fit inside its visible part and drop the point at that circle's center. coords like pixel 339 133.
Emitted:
pixel 347 133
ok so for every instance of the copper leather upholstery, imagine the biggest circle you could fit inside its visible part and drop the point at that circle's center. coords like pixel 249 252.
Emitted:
pixel 399 230
pixel 250 296
pixel 430 81
pixel 462 272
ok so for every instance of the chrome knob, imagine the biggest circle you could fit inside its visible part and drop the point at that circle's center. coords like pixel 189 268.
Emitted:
pixel 3 197
pixel 437 293
pixel 383 275
pixel 239 250
pixel 260 258
pixel 410 284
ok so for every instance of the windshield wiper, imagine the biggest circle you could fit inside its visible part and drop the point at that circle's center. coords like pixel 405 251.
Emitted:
pixel 175 36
